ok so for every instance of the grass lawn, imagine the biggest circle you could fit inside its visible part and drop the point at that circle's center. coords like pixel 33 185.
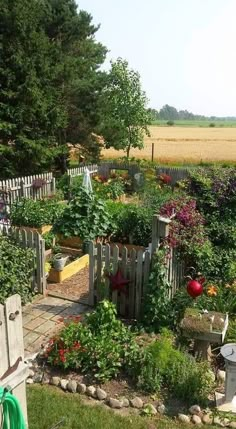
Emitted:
pixel 48 405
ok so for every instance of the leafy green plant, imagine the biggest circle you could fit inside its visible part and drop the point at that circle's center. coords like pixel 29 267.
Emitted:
pixel 167 366
pixel 158 311
pixel 50 239
pixel 100 345
pixel 133 225
pixel 16 266
pixel 35 213
pixel 86 217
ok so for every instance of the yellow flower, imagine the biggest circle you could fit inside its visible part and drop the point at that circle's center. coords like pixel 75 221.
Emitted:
pixel 212 290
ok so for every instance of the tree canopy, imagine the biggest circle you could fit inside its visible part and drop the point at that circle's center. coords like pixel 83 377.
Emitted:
pixel 50 81
pixel 125 118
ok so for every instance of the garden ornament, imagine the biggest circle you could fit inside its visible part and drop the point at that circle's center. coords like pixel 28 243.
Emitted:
pixel 87 184
pixel 118 282
pixel 195 284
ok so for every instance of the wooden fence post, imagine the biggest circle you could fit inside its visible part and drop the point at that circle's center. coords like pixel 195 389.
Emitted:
pixel 91 299
pixel 12 351
pixel 22 188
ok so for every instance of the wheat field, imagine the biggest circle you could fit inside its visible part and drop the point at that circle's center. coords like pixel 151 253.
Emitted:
pixel 184 144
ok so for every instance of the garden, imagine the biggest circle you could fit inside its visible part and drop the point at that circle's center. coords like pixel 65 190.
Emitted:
pixel 168 360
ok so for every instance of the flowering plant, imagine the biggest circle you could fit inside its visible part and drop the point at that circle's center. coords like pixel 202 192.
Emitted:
pixel 187 226
pixel 165 178
pixel 100 345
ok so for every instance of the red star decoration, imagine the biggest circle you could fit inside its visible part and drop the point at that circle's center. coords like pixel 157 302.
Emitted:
pixel 118 282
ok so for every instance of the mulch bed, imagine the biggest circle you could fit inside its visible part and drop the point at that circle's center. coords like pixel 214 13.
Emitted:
pixel 76 288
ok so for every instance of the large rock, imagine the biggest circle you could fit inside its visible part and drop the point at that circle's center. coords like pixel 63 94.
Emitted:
pixel 55 381
pixel 30 381
pixel 81 388
pixel 220 376
pixel 207 419
pixel 196 419
pixel 125 402
pixel 150 409
pixel 64 383
pixel 115 403
pixel 101 394
pixel 72 386
pixel 161 409
pixel 136 402
pixel 183 418
pixel 195 409
pixel 91 391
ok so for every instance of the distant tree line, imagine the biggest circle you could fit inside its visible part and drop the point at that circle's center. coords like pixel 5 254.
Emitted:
pixel 170 113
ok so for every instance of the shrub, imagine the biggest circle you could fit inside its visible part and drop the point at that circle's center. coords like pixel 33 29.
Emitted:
pixel 99 346
pixel 86 217
pixel 112 189
pixel 16 265
pixel 185 378
pixel 134 225
pixel 50 239
pixel 158 311
pixel 212 124
pixel 35 213
pixel 170 123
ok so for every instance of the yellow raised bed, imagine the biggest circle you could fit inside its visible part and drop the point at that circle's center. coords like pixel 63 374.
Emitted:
pixel 69 270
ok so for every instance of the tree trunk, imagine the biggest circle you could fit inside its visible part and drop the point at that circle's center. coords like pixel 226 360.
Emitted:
pixel 128 150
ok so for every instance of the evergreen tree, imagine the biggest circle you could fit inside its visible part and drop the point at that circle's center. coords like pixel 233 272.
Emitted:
pixel 49 82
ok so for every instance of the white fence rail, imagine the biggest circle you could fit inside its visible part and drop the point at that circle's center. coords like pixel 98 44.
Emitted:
pixel 36 186
pixel 78 171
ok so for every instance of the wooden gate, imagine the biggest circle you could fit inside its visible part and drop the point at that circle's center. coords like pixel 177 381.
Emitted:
pixel 134 266
pixel 13 370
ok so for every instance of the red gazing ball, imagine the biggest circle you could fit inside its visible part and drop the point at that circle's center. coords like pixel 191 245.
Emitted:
pixel 194 288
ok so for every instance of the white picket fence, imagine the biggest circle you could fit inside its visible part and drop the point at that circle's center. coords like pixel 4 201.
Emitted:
pixel 13 370
pixel 25 186
pixel 78 171
pixel 33 240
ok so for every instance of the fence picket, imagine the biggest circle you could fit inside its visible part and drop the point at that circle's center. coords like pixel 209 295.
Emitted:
pixel 115 266
pixel 124 269
pixel 132 282
pixel 138 288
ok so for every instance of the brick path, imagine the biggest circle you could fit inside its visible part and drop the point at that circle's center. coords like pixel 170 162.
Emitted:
pixel 42 319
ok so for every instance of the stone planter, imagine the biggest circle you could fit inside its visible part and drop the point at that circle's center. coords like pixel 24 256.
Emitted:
pixel 69 270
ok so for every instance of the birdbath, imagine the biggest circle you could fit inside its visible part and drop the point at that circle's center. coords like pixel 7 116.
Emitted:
pixel 227 402
pixel 205 328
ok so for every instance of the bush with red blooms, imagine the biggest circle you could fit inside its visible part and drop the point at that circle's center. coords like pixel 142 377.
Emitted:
pixel 165 178
pixel 187 226
pixel 100 345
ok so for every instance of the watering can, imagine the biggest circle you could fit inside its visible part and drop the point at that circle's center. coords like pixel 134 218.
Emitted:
pixel 59 261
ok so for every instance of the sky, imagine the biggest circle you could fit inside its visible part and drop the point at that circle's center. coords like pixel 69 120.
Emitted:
pixel 184 50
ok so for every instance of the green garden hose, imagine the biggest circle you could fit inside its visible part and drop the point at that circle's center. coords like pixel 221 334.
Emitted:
pixel 11 411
